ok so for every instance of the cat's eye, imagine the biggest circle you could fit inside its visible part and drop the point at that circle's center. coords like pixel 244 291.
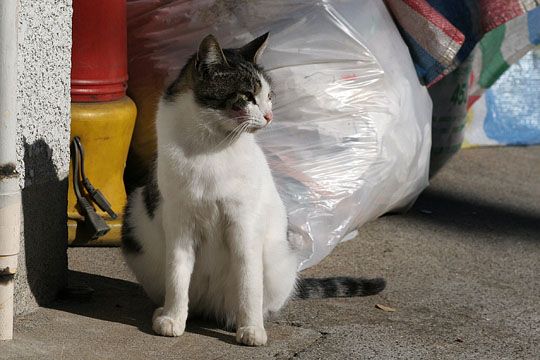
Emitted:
pixel 249 97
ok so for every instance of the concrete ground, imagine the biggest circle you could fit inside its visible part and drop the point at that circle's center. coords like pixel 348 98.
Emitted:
pixel 462 269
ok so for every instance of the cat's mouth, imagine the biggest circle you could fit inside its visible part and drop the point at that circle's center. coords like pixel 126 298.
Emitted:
pixel 254 128
pixel 245 127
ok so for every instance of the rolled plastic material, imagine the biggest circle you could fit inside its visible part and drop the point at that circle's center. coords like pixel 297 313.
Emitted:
pixel 351 135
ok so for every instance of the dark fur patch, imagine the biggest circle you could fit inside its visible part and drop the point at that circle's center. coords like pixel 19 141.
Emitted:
pixel 307 288
pixel 330 287
pixel 351 286
pixel 338 287
pixel 130 245
pixel 221 86
pixel 151 196
pixel 374 286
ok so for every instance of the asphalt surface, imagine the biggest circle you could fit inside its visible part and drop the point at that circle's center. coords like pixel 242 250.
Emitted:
pixel 463 273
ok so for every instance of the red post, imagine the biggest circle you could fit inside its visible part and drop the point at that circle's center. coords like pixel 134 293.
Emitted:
pixel 102 116
pixel 99 54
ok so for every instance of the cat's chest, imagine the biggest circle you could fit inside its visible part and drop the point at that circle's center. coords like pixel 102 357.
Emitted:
pixel 213 178
pixel 223 175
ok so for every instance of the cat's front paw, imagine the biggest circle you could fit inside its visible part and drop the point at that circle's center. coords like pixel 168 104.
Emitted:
pixel 251 335
pixel 166 325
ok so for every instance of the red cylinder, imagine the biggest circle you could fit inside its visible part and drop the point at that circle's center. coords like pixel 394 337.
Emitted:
pixel 99 52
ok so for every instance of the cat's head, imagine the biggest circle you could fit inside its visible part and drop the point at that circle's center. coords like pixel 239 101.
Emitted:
pixel 233 91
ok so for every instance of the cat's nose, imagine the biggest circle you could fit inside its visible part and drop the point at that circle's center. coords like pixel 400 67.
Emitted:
pixel 268 116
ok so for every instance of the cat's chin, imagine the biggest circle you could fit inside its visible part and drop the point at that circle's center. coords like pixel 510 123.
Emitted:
pixel 252 130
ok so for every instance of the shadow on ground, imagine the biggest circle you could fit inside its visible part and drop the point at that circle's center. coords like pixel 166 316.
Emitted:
pixel 124 302
pixel 121 301
pixel 106 298
pixel 44 203
pixel 476 216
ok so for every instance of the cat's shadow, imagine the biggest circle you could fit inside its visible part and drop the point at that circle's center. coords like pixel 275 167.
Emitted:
pixel 124 302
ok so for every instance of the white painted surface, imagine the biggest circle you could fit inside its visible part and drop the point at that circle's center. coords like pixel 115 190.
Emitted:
pixel 43 127
pixel 10 193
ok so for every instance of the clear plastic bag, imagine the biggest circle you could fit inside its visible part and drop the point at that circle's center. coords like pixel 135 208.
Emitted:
pixel 352 132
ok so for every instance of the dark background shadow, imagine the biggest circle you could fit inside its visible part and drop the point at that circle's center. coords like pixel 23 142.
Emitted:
pixel 472 215
pixel 106 298
pixel 123 302
pixel 42 270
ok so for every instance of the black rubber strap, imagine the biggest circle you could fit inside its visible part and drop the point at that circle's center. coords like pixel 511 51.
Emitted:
pixel 75 155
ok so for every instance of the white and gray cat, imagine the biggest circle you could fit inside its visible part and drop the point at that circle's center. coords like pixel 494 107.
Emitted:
pixel 209 229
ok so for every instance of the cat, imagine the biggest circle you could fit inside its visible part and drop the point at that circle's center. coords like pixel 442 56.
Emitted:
pixel 209 228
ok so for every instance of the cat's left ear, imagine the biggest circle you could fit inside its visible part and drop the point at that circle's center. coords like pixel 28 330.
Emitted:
pixel 210 54
pixel 253 50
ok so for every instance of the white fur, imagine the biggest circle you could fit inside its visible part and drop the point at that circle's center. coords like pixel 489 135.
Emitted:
pixel 220 228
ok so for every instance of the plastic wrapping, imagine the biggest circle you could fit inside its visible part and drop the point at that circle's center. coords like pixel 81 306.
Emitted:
pixel 351 135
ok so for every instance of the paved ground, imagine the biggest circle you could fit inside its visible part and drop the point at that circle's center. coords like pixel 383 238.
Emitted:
pixel 462 269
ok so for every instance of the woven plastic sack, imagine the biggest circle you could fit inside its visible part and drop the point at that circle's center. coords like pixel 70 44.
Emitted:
pixel 351 135
pixel 509 112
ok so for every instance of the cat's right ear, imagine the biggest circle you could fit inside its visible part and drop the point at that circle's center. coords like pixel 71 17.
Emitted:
pixel 253 50
pixel 210 54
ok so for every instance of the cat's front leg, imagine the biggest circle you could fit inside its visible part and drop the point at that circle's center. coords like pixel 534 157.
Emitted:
pixel 248 262
pixel 170 320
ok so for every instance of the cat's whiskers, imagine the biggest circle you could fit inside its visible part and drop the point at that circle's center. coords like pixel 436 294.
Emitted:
pixel 245 125
pixel 231 136
pixel 240 130
pixel 209 131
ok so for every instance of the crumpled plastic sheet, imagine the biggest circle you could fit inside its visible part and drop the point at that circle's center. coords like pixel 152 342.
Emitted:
pixel 352 133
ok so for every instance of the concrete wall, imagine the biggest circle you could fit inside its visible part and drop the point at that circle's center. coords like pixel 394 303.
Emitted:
pixel 44 64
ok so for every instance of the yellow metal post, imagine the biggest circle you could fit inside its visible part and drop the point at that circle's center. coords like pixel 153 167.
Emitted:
pixel 105 130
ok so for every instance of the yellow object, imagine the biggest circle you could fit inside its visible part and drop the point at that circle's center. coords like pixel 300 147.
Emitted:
pixel 143 146
pixel 105 130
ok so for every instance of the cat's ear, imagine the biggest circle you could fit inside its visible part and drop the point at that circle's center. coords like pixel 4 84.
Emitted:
pixel 210 54
pixel 253 50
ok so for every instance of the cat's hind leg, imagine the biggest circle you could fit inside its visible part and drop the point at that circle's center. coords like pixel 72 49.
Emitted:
pixel 280 273
pixel 143 246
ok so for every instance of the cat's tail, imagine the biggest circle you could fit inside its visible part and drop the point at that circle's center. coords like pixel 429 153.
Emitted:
pixel 340 286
